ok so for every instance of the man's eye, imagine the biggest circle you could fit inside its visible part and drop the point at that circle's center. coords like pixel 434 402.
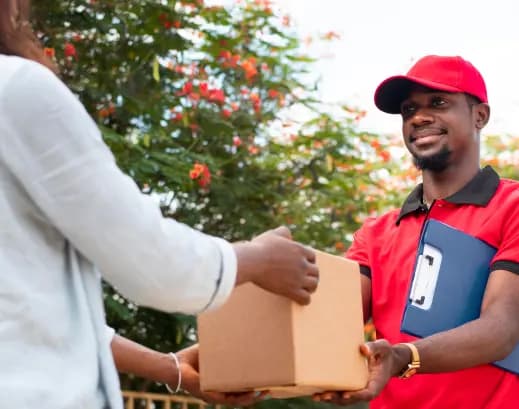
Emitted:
pixel 437 102
pixel 407 110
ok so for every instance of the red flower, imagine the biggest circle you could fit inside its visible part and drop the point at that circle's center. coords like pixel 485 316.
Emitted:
pixel 204 89
pixel 253 149
pixel 236 141
pixel 249 66
pixel 216 95
pixel 70 51
pixel 177 116
pixel 226 113
pixel 273 93
pixel 226 55
pixel 201 174
pixel 195 96
pixel 385 155
pixel 256 102
pixel 49 52
pixel 235 59
pixel 107 111
pixel 339 246
pixel 375 144
pixel 186 89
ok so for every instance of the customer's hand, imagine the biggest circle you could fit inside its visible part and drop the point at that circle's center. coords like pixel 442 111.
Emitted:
pixel 279 265
pixel 188 359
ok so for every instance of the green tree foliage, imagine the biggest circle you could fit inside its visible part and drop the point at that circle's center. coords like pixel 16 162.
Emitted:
pixel 193 102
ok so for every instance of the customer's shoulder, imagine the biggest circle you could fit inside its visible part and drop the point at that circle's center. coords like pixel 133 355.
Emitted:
pixel 13 62
pixel 12 65
pixel 27 86
pixel 21 72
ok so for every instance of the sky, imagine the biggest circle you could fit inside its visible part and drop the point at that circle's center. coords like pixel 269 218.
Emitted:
pixel 380 38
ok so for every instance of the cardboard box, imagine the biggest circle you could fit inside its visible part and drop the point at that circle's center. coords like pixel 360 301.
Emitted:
pixel 260 341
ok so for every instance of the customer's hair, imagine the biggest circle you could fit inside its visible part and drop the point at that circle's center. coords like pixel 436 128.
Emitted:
pixel 16 34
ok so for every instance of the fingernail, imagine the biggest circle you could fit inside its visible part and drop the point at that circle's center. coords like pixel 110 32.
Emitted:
pixel 267 397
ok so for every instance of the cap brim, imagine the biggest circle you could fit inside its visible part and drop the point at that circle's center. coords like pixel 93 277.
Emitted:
pixel 390 94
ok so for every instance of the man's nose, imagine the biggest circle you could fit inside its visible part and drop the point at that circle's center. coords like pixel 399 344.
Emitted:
pixel 422 116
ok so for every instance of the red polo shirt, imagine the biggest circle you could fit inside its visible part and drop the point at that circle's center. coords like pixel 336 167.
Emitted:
pixel 487 208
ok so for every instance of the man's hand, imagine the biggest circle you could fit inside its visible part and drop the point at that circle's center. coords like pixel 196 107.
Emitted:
pixel 382 363
pixel 279 265
pixel 188 359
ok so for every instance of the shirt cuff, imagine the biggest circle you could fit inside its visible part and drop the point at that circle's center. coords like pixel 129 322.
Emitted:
pixel 507 265
pixel 227 274
pixel 365 270
pixel 109 334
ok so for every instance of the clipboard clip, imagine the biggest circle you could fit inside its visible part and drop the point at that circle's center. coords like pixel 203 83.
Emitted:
pixel 425 277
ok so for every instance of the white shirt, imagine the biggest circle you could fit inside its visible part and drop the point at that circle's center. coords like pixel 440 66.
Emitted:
pixel 66 213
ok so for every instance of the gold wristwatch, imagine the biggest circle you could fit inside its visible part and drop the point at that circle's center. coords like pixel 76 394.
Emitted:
pixel 412 367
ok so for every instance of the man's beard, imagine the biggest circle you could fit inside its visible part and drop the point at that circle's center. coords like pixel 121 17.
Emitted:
pixel 435 163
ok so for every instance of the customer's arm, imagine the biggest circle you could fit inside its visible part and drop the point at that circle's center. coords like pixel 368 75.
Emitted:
pixel 56 151
pixel 138 360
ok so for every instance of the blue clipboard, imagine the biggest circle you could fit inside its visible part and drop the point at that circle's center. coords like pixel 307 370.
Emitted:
pixel 449 280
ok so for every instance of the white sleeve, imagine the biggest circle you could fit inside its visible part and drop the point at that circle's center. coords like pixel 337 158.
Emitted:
pixel 54 148
pixel 110 333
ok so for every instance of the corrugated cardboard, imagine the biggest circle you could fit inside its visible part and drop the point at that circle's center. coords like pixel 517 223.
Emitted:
pixel 259 341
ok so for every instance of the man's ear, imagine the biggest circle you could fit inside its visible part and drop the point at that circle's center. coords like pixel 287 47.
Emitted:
pixel 482 114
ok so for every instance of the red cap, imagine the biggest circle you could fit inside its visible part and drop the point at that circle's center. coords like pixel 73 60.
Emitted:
pixel 450 74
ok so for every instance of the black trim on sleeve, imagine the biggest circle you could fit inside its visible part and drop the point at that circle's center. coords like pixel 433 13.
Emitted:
pixel 507 265
pixel 218 282
pixel 365 271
